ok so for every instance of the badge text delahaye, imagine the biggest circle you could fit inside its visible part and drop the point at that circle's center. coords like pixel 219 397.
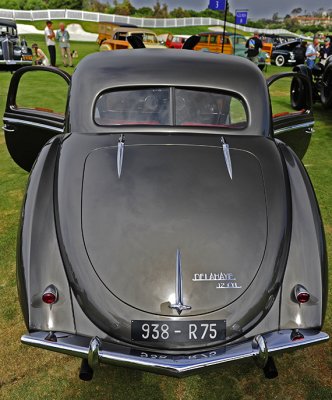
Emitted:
pixel 225 280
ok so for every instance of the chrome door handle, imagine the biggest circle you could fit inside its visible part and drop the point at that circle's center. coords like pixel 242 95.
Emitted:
pixel 310 131
pixel 8 129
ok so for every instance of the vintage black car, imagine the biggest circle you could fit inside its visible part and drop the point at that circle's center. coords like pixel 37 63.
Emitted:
pixel 285 53
pixel 165 226
pixel 276 39
pixel 13 53
pixel 320 77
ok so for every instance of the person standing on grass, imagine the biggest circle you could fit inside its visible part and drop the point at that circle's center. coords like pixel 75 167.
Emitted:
pixel 62 36
pixel 299 52
pixel 253 45
pixel 326 50
pixel 312 53
pixel 50 43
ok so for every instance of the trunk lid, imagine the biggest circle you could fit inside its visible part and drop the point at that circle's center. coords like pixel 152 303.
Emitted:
pixel 172 198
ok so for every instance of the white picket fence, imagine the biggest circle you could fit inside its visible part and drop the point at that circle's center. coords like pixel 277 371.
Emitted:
pixel 35 15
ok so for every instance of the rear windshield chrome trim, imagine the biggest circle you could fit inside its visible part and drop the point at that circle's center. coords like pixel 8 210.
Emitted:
pixel 157 129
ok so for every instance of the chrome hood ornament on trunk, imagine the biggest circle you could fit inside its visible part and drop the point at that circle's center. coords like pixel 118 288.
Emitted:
pixel 179 306
pixel 120 152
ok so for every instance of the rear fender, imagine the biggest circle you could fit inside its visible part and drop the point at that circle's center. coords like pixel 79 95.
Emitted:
pixel 307 260
pixel 304 70
pixel 39 262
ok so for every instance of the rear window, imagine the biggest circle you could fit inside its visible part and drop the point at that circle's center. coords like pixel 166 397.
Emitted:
pixel 170 106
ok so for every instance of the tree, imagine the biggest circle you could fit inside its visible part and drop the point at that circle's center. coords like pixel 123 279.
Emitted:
pixel 35 5
pixel 70 4
pixel 96 6
pixel 212 14
pixel 12 4
pixel 296 11
pixel 144 12
pixel 291 24
pixel 124 8
pixel 160 11
pixel 193 13
pixel 179 13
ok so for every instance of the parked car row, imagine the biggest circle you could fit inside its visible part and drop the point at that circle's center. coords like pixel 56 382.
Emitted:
pixel 277 50
pixel 14 54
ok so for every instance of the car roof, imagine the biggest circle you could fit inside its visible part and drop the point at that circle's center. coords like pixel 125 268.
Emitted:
pixel 181 68
pixel 8 22
pixel 133 30
pixel 214 33
pixel 290 42
pixel 221 33
pixel 181 36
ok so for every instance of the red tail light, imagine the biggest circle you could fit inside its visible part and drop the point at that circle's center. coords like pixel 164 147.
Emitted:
pixel 50 295
pixel 301 294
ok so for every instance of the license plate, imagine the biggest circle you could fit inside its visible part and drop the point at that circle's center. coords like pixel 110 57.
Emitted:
pixel 178 331
pixel 27 58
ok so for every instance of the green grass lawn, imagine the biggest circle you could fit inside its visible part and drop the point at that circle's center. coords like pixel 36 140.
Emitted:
pixel 30 373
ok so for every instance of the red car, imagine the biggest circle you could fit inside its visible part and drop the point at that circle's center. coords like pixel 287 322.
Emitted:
pixel 176 42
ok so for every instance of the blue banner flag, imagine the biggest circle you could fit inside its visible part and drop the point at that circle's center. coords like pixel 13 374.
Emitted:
pixel 219 5
pixel 241 17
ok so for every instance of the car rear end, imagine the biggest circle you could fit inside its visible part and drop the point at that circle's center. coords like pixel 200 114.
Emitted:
pixel 171 221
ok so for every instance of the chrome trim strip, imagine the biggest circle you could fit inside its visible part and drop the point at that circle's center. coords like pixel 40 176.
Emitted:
pixel 119 156
pixel 30 123
pixel 179 365
pixel 16 62
pixel 179 306
pixel 294 127
pixel 227 157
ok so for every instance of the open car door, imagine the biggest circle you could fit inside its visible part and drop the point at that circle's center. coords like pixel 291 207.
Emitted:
pixel 293 118
pixel 35 111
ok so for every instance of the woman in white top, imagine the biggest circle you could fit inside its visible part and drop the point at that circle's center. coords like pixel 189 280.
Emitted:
pixel 41 58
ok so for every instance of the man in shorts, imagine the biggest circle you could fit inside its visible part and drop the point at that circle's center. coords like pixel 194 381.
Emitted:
pixel 62 36
pixel 253 45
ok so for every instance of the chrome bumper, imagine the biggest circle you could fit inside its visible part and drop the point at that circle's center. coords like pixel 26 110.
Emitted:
pixel 97 351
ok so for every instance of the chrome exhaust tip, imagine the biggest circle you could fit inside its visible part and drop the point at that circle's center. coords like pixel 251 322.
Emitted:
pixel 270 369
